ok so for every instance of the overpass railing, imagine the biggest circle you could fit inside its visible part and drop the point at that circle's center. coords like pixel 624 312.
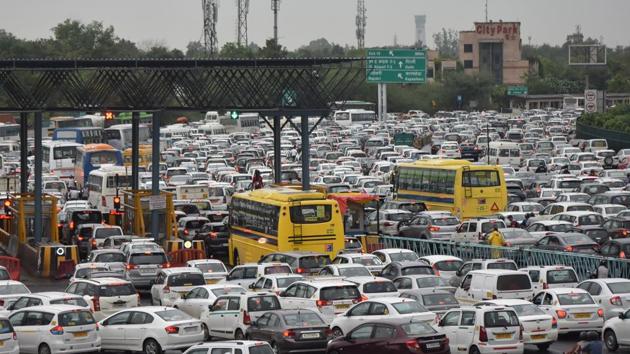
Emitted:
pixel 584 264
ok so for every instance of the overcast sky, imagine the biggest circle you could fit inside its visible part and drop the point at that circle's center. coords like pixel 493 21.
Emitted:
pixel 176 22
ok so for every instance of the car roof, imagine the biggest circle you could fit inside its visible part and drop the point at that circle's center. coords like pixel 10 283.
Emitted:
pixel 53 308
pixel 508 302
pixel 105 281
pixel 495 271
pixel 179 270
pixel 439 258
pixel 566 290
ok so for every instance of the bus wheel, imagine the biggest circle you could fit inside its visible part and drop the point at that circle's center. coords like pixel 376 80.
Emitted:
pixel 237 259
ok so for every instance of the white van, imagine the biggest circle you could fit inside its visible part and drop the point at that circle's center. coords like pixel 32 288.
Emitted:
pixel 102 185
pixel 491 284
pixel 505 153
pixel 549 277
pixel 593 145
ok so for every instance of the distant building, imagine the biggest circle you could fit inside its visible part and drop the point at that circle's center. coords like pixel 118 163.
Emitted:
pixel 494 48
pixel 421 33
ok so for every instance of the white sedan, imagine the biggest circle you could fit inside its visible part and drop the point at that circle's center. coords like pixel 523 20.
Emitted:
pixel 575 309
pixel 617 332
pixel 200 298
pixel 612 294
pixel 392 309
pixel 150 329
pixel 539 328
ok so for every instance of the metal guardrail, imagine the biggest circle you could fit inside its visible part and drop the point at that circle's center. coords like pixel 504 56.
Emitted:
pixel 583 264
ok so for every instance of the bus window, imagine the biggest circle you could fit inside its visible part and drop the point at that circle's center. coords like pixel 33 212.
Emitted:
pixel 311 214
pixel 103 157
pixel 481 179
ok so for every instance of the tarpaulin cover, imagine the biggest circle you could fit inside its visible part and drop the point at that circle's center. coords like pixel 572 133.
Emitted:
pixel 344 198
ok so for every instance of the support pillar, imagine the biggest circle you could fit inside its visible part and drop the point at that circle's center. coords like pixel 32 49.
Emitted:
pixel 23 152
pixel 135 137
pixel 306 156
pixel 277 157
pixel 155 171
pixel 37 219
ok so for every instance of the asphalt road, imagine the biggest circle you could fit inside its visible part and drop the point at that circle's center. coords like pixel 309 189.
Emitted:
pixel 564 344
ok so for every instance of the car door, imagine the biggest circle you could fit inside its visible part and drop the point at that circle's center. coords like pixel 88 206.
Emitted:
pixel 215 320
pixel 462 293
pixel 466 329
pixel 137 328
pixel 236 276
pixel 356 316
pixel 35 326
pixel 199 303
pixel 360 340
pixel 113 330
pixel 230 321
pixel 259 327
pixel 449 325
pixel 403 283
pixel 623 331
pixel 185 303
pixel 460 234
pixel 18 323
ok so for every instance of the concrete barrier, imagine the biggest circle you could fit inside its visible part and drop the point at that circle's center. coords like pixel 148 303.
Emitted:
pixel 50 256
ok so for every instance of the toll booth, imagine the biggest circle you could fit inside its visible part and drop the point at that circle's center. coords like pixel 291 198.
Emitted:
pixel 353 207
pixel 137 207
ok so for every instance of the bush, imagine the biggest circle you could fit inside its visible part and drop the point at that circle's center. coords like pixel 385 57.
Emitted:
pixel 615 119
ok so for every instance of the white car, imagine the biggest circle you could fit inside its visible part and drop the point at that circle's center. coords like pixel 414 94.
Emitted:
pixel 345 270
pixel 10 290
pixel 8 338
pixel 370 261
pixel 232 314
pixel 549 277
pixel 56 329
pixel 449 151
pixel 199 299
pixel 213 270
pixel 105 296
pixel 616 332
pixel 47 298
pixel 324 295
pixel 150 329
pixel 575 309
pixel 83 270
pixel 246 274
pixel 482 330
pixel 275 283
pixel 375 287
pixel 422 281
pixel 539 329
pixel 171 283
pixel 388 255
pixel 390 309
pixel 444 266
pixel 612 294
pixel 241 346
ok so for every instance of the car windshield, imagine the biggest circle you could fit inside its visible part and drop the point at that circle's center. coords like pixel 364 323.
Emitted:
pixel 592 219
pixel 379 287
pixel 285 282
pixel 314 261
pixel 417 270
pixel 303 319
pixel 122 289
pixel 527 310
pixel 561 276
pixel 502 265
pixel 279 269
pixel 339 293
pixel 569 184
pixel 354 272
pixel 399 216
pixel 514 282
pixel 431 282
pixel 173 315
pixel 560 227
pixel 403 256
pixel 575 299
pixel 500 319
pixel 74 301
pixel 448 266
pixel 366 261
pixel 263 303
pixel 148 258
pixel 418 329
pixel 408 307
pixel 445 221
pixel 576 239
pixel 228 290
pixel 619 287
pixel 259 348
pixel 514 233
pixel 76 318
pixel 439 300
pixel 211 267
pixel 110 257
pixel 186 279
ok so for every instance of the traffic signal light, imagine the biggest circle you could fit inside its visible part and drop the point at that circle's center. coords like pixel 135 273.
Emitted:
pixel 109 115
pixel 7 208
pixel 234 115
pixel 117 203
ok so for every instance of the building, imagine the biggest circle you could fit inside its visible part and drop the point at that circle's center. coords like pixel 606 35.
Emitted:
pixel 494 48
pixel 437 69
pixel 421 33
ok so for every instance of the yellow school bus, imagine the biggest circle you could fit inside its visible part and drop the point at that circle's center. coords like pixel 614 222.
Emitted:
pixel 283 219
pixel 458 186
pixel 144 156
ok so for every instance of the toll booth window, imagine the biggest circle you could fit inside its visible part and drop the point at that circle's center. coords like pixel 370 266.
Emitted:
pixel 311 214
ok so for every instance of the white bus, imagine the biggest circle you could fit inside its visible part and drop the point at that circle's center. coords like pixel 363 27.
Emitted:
pixel 505 153
pixel 176 131
pixel 212 117
pixel 59 157
pixel 249 122
pixel 212 129
pixel 101 186
pixel 119 135
pixel 193 191
pixel 9 131
pixel 354 117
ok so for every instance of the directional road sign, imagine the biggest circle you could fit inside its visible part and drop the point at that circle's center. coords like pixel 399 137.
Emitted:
pixel 396 66
pixel 517 90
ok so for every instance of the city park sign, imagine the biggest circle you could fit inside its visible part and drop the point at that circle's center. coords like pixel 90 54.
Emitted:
pixel 505 30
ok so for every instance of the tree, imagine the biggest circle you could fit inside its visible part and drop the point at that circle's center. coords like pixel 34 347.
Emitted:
pixel 233 50
pixel 273 50
pixel 195 49
pixel 74 39
pixel 446 43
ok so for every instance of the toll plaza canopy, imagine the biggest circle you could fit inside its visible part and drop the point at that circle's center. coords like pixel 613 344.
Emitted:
pixel 346 198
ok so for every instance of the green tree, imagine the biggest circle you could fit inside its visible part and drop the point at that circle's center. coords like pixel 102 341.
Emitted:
pixel 195 49
pixel 446 42
pixel 233 50
pixel 272 50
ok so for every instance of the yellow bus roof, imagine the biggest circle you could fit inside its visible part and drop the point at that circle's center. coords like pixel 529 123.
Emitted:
pixel 282 194
pixel 97 147
pixel 447 164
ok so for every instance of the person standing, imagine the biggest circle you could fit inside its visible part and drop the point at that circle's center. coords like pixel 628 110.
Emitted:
pixel 495 239
pixel 602 270
pixel 257 181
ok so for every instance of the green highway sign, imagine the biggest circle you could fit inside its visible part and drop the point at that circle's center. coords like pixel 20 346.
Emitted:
pixel 396 66
pixel 517 90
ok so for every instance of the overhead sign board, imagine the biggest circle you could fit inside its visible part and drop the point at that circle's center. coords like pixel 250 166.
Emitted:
pixel 517 90
pixel 396 66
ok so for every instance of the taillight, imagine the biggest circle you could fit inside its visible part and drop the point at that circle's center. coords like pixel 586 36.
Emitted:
pixel 554 322
pixel 93 243
pixel 171 329
pixel 434 228
pixel 483 335
pixel 387 223
pixel 14 336
pixel 322 303
pixel 569 248
pixel 247 320
pixel 289 333
pixel 622 254
pixel 213 235
pixel 562 314
pixel 165 265
pixel 600 312
pixel 412 344
pixel 131 266
pixel 96 302
pixel 328 332
pixel 80 238
pixel 616 301
pixel 186 232
pixel 299 270
pixel 1 302
pixel 103 201
pixel 71 225
pixel 56 331
pixel 520 333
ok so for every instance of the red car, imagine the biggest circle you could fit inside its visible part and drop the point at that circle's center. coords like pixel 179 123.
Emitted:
pixel 408 338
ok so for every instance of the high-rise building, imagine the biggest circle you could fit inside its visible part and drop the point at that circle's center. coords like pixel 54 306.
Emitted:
pixel 421 33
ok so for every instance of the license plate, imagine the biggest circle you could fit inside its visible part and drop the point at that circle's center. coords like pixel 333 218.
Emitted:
pixel 582 315
pixel 342 306
pixel 433 345
pixel 145 270
pixel 310 335
pixel 190 329
pixel 211 281
pixel 80 334
pixel 503 335
pixel 538 336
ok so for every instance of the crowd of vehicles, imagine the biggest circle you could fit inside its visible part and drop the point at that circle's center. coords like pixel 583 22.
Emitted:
pixel 284 273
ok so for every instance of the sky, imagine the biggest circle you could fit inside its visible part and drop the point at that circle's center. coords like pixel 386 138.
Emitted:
pixel 174 23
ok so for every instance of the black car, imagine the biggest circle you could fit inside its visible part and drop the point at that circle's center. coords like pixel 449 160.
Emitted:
pixel 597 233
pixel 469 151
pixel 568 242
pixel 291 331
pixel 617 227
pixel 619 248
pixel 397 269
pixel 611 197
pixel 215 236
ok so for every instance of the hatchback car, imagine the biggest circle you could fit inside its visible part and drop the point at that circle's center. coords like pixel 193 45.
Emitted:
pixel 105 295
pixel 172 283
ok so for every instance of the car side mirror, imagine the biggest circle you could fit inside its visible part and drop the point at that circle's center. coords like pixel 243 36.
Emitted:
pixel 251 286
pixel 622 316
pixel 255 323
pixel 184 296
pixel 458 273
pixel 282 294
